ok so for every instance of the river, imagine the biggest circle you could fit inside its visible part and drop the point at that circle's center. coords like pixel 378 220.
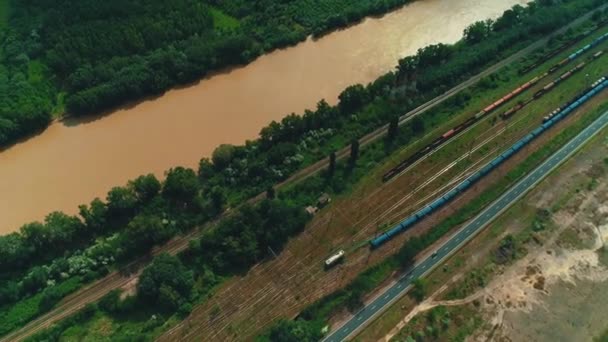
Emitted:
pixel 71 163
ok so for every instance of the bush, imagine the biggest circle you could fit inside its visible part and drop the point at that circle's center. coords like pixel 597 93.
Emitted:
pixel 110 303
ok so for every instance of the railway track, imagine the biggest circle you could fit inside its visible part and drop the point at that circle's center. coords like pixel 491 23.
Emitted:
pixel 116 279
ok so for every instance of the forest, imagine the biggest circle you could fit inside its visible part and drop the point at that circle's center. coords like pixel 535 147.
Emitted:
pixel 47 260
pixel 85 57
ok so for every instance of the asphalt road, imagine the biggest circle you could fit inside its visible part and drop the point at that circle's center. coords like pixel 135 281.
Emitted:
pixel 383 301
pixel 115 280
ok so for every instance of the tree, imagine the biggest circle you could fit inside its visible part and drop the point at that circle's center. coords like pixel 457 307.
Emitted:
pixel 144 231
pixel 477 31
pixel 417 125
pixel 331 169
pixel 50 297
pixel 218 199
pixel 419 289
pixel 145 187
pixel 393 129
pixel 166 283
pixel 34 280
pixel 352 98
pixel 270 193
pixel 222 156
pixel 110 302
pixel 121 201
pixel 181 185
pixel 354 152
pixel 14 252
pixel 36 235
pixel 295 331
pixel 205 169
pixel 64 230
pixel 95 216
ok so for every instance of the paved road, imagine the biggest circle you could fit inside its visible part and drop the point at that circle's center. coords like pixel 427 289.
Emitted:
pixel 383 301
pixel 115 280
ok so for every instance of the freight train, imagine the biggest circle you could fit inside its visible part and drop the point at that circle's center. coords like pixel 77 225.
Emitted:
pixel 451 133
pixel 563 47
pixel 438 203
pixel 507 114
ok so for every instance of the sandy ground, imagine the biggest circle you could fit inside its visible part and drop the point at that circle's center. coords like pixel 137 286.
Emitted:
pixel 558 290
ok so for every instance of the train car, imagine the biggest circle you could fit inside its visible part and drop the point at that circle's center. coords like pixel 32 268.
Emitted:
pixel 549 86
pixel 499 102
pixel 409 221
pixel 334 259
pixel 451 194
pixel 489 108
pixel 480 114
pixel 597 54
pixel 475 177
pixel 537 131
pixel 538 94
pixel 565 75
pixel 517 90
pixel 438 203
pixel 512 110
pixel 423 212
pixel 508 113
pixel 448 134
pixel 563 62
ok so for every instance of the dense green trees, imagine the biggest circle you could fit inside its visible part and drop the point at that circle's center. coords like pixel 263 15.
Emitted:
pixel 294 331
pixel 248 235
pixel 103 55
pixel 166 283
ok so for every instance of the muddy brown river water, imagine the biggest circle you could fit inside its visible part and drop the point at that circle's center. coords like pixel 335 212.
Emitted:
pixel 72 163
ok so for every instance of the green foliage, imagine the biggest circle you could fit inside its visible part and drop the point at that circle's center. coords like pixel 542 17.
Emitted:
pixel 181 185
pixel 166 283
pixel 419 289
pixel 293 331
pixel 145 187
pixel 55 331
pixel 248 235
pixel 14 316
pixel 110 303
pixel 222 156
